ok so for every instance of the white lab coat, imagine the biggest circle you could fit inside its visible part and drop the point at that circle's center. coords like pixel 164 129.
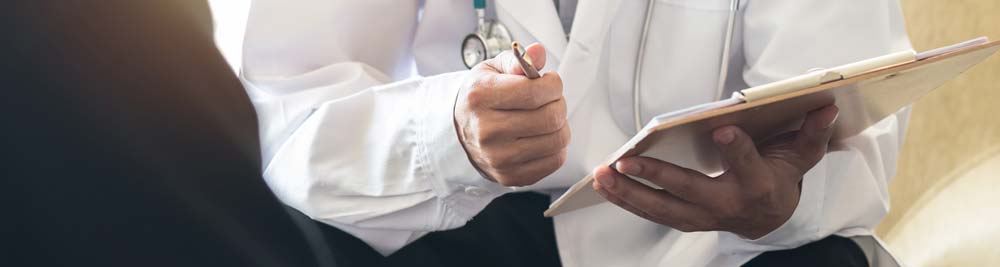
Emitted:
pixel 355 102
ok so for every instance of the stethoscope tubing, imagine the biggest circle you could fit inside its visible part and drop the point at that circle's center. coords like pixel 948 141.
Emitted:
pixel 639 59
pixel 734 6
pixel 640 54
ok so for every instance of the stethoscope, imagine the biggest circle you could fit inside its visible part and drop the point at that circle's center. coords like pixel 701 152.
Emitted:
pixel 491 38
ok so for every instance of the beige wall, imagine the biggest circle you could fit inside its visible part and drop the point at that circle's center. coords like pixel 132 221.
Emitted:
pixel 958 125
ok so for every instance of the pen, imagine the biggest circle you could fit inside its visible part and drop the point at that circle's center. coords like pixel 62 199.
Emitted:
pixel 526 66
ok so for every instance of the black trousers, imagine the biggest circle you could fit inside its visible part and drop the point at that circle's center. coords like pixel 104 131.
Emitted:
pixel 511 232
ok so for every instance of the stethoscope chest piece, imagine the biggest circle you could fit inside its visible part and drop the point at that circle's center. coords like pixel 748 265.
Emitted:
pixel 490 39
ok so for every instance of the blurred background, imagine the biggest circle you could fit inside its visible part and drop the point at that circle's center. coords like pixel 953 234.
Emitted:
pixel 945 195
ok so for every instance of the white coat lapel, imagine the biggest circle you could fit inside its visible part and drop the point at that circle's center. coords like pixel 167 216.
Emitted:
pixel 582 59
pixel 540 19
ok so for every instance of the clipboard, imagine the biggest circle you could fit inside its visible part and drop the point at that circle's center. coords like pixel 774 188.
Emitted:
pixel 865 92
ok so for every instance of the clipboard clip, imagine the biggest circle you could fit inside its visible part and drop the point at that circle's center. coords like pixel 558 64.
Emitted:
pixel 817 77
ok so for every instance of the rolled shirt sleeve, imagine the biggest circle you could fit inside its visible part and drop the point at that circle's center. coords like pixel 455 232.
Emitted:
pixel 349 136
pixel 846 193
pixel 380 161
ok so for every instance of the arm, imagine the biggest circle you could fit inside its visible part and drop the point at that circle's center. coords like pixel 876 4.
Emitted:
pixel 379 161
pixel 389 161
pixel 344 144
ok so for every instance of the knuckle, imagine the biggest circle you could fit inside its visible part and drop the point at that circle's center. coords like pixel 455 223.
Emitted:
pixel 491 162
pixel 538 99
pixel 557 80
pixel 548 88
pixel 560 159
pixel 488 135
pixel 548 165
pixel 478 94
pixel 763 196
pixel 564 138
pixel 682 189
pixel 496 159
pixel 485 81
pixel 503 162
pixel 553 120
pixel 560 107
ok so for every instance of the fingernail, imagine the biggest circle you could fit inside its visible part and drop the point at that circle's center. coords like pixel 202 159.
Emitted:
pixel 606 180
pixel 725 137
pixel 834 120
pixel 632 168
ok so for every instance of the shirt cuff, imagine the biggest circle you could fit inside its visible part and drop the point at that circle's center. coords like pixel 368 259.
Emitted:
pixel 463 190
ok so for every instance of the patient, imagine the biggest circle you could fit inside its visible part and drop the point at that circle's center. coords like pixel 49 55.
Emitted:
pixel 131 143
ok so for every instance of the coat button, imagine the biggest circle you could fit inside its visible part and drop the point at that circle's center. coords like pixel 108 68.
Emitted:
pixel 475 191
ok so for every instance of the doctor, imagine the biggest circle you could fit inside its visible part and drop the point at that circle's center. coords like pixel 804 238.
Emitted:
pixel 371 123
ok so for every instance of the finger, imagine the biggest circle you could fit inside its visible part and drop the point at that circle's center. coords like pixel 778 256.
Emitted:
pixel 536 54
pixel 661 206
pixel 506 62
pixel 621 203
pixel 681 182
pixel 738 152
pixel 527 123
pixel 512 92
pixel 814 136
pixel 534 147
pixel 532 171
pixel 521 150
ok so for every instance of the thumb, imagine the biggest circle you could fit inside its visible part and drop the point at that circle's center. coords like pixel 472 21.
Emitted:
pixel 536 54
pixel 814 136
pixel 507 63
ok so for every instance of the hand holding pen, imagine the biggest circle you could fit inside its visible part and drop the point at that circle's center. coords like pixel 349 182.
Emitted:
pixel 510 120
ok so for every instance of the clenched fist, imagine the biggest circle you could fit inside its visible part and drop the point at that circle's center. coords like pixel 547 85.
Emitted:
pixel 513 128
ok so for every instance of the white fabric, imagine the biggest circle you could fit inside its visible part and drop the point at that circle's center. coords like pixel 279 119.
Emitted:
pixel 352 140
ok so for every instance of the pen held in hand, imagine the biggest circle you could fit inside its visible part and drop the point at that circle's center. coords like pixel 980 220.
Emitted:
pixel 526 66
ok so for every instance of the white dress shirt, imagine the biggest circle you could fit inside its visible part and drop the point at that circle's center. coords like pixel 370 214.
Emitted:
pixel 355 101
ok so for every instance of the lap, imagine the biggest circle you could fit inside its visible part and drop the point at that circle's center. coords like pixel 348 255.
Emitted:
pixel 510 232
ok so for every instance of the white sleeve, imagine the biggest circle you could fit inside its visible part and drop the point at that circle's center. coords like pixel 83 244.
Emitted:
pixel 846 193
pixel 379 161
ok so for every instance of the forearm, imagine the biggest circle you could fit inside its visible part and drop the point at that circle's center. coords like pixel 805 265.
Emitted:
pixel 382 162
